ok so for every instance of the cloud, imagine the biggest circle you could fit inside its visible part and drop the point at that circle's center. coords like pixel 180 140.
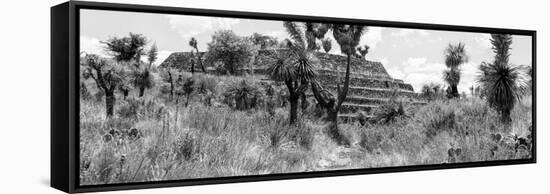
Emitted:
pixel 91 45
pixel 372 37
pixel 189 26
pixel 420 71
pixel 407 32
pixel 483 40
pixel 279 34
pixel 416 71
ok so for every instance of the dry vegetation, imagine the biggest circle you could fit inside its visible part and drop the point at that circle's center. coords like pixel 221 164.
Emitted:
pixel 213 141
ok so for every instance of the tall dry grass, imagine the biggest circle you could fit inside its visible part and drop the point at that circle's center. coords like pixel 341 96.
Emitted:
pixel 201 141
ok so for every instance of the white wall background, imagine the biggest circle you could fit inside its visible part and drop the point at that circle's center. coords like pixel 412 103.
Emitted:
pixel 25 95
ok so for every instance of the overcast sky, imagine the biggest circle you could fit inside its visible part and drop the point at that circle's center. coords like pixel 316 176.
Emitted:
pixel 416 56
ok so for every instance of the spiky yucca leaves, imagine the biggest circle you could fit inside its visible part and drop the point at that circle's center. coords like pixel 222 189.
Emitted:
pixel 152 55
pixel 295 68
pixel 193 43
pixel 327 45
pixel 502 83
pixel 107 76
pixel 455 55
pixel 363 50
pixel 503 86
pixel 348 37
pixel 244 95
pixel 394 109
pixel 140 74
pixel 427 92
pixel 501 47
pixel 313 32
pixel 142 78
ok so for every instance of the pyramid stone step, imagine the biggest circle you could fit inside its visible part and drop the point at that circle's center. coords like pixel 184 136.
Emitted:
pixel 354 108
pixel 330 79
pixel 375 92
pixel 366 100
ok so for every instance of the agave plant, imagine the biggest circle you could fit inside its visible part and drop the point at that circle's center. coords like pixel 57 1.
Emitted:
pixel 502 83
pixel 455 55
pixel 244 95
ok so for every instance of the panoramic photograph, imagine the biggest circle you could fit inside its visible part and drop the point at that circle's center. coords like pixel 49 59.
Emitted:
pixel 177 97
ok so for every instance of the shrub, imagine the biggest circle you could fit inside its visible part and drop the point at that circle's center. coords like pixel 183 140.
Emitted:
pixel 129 108
pixel 437 117
pixel 185 146
pixel 391 111
pixel 98 96
pixel 207 89
pixel 105 164
pixel 243 95
pixel 303 135
pixel 84 93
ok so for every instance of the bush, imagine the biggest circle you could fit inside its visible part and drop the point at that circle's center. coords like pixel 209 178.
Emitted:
pixel 84 93
pixel 391 111
pixel 129 108
pixel 303 135
pixel 457 117
pixel 243 95
pixel 186 146
pixel 99 95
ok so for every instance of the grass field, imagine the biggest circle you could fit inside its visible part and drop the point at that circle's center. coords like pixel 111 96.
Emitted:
pixel 198 141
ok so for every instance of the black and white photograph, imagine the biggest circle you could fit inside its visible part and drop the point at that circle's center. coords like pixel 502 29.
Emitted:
pixel 176 97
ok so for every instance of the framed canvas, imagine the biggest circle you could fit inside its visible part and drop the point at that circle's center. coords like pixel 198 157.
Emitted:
pixel 150 96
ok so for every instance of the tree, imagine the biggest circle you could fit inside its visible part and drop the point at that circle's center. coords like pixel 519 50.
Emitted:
pixel 106 75
pixel 193 43
pixel 125 85
pixel 455 55
pixel 184 87
pixel 126 48
pixel 348 37
pixel 363 51
pixel 501 82
pixel 327 45
pixel 127 52
pixel 295 68
pixel 168 76
pixel 233 51
pixel 314 32
pixel 263 41
pixel 427 92
pixel 142 77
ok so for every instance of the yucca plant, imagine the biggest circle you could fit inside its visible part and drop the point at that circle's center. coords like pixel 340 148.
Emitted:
pixel 106 74
pixel 142 77
pixel 327 45
pixel 296 67
pixel 455 55
pixel 244 95
pixel 502 83
pixel 394 109
pixel 193 43
pixel 348 37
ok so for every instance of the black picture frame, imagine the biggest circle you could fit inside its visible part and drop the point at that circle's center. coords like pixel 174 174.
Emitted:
pixel 65 106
